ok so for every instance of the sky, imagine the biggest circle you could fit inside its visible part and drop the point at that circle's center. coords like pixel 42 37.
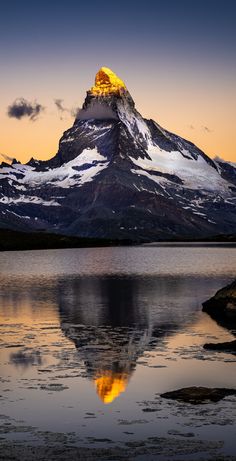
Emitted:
pixel 176 57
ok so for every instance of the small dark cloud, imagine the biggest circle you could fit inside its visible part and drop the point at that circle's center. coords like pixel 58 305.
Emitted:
pixel 59 105
pixel 191 127
pixel 206 129
pixel 22 108
pixel 62 109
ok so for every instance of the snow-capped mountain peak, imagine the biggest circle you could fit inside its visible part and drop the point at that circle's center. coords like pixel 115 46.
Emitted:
pixel 119 175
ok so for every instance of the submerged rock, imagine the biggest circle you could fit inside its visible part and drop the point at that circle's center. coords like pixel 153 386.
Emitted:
pixel 198 395
pixel 53 387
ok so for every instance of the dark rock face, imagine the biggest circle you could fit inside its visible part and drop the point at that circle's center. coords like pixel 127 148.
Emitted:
pixel 119 176
pixel 198 395
pixel 228 172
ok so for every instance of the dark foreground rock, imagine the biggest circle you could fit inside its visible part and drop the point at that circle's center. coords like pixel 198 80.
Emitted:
pixel 198 395
pixel 223 304
pixel 229 346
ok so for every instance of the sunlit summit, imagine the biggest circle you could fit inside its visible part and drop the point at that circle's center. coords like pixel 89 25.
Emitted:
pixel 107 82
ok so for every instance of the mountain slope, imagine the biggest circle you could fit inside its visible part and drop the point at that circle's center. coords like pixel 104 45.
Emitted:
pixel 117 175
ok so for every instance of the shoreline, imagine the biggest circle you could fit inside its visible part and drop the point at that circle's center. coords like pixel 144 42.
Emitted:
pixel 22 241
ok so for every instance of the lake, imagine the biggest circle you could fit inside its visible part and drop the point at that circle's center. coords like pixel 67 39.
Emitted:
pixel 90 338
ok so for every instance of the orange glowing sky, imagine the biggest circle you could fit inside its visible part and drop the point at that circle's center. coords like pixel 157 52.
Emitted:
pixel 180 70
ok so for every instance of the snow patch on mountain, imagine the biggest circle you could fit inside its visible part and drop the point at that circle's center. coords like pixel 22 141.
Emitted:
pixel 133 121
pixel 195 174
pixel 27 199
pixel 78 171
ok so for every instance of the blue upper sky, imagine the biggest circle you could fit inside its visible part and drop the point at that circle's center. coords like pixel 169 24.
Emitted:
pixel 177 58
pixel 35 29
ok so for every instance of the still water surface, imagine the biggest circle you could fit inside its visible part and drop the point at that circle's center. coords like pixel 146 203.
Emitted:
pixel 91 337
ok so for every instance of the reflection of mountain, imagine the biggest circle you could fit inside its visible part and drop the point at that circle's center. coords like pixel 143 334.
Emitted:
pixel 110 322
pixel 110 385
pixel 110 331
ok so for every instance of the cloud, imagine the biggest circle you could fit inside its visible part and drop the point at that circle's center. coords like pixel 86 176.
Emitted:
pixel 206 129
pixel 191 127
pixel 74 111
pixel 97 111
pixel 59 105
pixel 22 108
pixel 62 109
pixel 7 157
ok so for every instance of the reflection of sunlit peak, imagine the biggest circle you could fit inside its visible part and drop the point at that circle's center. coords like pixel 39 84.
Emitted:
pixel 107 82
pixel 110 385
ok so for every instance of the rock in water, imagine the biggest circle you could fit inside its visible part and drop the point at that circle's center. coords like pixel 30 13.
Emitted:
pixel 228 346
pixel 198 395
pixel 117 175
pixel 222 308
pixel 223 303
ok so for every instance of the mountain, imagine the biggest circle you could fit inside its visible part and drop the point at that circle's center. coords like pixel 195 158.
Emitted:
pixel 117 175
